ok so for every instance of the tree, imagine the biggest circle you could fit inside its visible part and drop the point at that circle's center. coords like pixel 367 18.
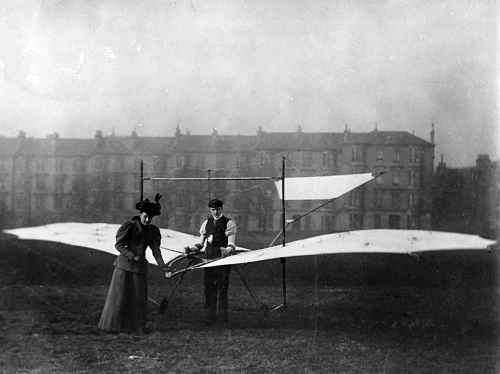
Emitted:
pixel 258 202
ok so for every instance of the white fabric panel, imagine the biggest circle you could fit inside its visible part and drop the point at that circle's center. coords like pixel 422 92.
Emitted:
pixel 364 241
pixel 102 237
pixel 321 188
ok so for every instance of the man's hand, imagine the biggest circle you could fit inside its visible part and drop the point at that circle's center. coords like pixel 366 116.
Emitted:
pixel 190 250
pixel 166 271
pixel 226 251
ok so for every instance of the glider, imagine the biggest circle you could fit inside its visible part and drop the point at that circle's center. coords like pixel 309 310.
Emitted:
pixel 101 236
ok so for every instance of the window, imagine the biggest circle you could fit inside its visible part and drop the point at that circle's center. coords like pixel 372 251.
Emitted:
pixel 395 199
pixel 220 162
pixel 100 163
pixel 269 159
pixel 394 221
pixel 415 155
pixel 200 162
pixel 240 161
pixel 137 182
pixel 307 159
pixel 413 178
pixel 305 204
pixel 262 159
pixel 40 202
pixel 412 200
pixel 3 182
pixel 379 199
pixel 76 186
pixel 238 203
pixel 328 223
pixel 307 223
pixel 101 182
pixel 120 163
pixel 379 180
pixel 328 160
pixel 395 177
pixel 242 223
pixel 269 222
pixel 21 164
pixel 41 182
pixel 355 199
pixel 119 182
pixel 380 155
pixel 118 200
pixel 59 165
pixel 354 221
pixel 413 222
pixel 40 165
pixel 179 161
pixel 197 222
pixel 159 163
pixel 77 165
pixel 356 154
pixel 59 184
pixel 377 221
pixel 396 155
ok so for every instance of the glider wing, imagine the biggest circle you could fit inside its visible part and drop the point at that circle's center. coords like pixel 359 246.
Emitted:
pixel 406 242
pixel 102 237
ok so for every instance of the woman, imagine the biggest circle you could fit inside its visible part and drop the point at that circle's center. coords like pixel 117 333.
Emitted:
pixel 125 309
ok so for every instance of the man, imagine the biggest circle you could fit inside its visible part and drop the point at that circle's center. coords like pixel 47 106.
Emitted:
pixel 219 233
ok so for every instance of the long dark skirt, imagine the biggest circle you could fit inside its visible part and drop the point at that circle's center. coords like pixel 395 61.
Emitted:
pixel 125 309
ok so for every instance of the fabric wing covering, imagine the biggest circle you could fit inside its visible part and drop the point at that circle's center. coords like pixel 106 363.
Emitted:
pixel 321 188
pixel 364 241
pixel 102 237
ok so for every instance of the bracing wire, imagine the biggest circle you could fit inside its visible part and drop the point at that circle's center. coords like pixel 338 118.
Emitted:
pixel 40 297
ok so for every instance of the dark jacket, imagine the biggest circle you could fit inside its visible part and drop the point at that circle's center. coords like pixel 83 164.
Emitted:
pixel 133 239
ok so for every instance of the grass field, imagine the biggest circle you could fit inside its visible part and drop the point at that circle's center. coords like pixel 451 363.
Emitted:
pixel 345 314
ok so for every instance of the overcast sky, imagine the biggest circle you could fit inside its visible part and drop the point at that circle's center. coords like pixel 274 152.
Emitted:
pixel 74 67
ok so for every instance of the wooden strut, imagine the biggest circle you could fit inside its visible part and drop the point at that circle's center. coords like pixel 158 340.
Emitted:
pixel 164 302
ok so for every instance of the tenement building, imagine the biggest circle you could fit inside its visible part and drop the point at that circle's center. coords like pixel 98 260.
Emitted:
pixel 99 180
pixel 467 199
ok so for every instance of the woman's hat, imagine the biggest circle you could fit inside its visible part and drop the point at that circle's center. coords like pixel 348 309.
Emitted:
pixel 149 207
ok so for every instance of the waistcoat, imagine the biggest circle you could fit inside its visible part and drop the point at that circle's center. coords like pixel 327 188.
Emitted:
pixel 219 239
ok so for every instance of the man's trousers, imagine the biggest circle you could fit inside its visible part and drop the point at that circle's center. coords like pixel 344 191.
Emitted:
pixel 216 287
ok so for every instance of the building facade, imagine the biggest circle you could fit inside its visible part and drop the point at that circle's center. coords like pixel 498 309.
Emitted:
pixel 99 180
pixel 467 199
